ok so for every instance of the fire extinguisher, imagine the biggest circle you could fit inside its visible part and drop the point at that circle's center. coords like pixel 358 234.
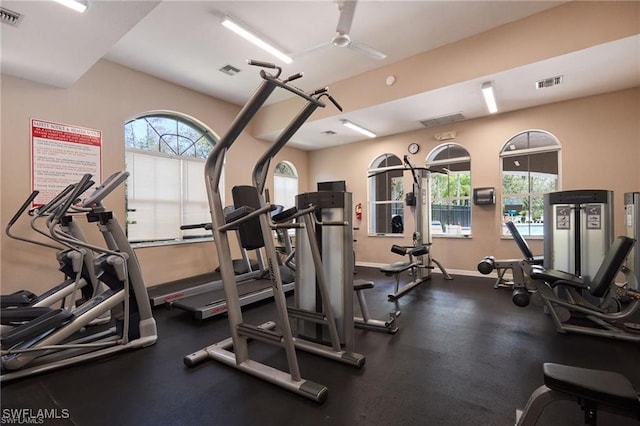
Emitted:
pixel 359 211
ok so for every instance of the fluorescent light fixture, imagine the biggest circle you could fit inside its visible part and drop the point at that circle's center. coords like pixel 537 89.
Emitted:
pixel 78 6
pixel 489 98
pixel 357 128
pixel 250 35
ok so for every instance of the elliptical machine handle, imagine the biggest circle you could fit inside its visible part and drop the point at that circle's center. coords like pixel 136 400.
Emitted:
pixel 22 208
pixel 54 201
pixel 77 191
pixel 261 64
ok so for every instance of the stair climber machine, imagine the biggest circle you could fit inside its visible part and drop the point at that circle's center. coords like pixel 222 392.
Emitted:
pixel 421 261
pixel 253 219
pixel 60 336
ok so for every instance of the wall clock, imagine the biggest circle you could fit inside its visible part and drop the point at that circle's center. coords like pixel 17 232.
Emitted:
pixel 413 148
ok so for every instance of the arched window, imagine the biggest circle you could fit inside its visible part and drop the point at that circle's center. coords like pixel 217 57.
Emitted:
pixel 529 163
pixel 165 154
pixel 450 188
pixel 386 192
pixel 285 184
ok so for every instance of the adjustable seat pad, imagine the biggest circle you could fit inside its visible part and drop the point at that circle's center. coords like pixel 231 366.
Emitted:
pixel 397 267
pixel 554 276
pixel 596 385
pixel 362 285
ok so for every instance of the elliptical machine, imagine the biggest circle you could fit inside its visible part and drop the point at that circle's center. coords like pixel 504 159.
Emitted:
pixel 59 337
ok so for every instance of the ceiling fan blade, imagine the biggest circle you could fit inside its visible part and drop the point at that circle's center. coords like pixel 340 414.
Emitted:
pixel 347 10
pixel 369 51
pixel 311 49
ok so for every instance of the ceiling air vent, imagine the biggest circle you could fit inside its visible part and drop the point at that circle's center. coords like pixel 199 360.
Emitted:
pixel 548 82
pixel 229 70
pixel 445 119
pixel 10 17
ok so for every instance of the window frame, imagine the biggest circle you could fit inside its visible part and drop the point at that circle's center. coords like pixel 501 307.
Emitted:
pixel 456 232
pixel 370 195
pixel 182 236
pixel 557 148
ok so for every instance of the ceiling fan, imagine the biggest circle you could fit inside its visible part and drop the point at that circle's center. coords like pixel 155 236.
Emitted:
pixel 347 9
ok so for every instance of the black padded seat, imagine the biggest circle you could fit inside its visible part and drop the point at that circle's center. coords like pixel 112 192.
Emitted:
pixel 555 277
pixel 362 285
pixel 397 267
pixel 604 387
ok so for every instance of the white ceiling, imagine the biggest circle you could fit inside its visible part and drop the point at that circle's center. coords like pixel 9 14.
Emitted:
pixel 184 43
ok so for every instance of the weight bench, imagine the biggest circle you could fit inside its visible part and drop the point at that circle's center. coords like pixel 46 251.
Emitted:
pixel 396 268
pixel 490 263
pixel 365 322
pixel 593 390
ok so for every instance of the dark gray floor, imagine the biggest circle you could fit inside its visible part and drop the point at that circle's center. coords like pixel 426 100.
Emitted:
pixel 464 355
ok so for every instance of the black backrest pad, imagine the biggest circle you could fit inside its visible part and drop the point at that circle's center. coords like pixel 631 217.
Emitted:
pixel 520 241
pixel 610 265
pixel 250 231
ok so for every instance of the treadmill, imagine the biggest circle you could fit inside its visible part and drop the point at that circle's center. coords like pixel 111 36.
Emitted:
pixel 203 295
pixel 169 293
pixel 213 302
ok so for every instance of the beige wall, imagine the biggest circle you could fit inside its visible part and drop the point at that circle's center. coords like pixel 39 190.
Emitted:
pixel 567 28
pixel 599 135
pixel 600 139
pixel 104 99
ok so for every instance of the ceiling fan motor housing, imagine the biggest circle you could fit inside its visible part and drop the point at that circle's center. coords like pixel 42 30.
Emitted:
pixel 341 40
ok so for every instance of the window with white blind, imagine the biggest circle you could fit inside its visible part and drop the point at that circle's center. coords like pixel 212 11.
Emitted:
pixel 165 156
pixel 285 184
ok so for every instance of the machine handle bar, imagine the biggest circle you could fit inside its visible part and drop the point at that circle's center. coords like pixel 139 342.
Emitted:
pixel 22 208
pixel 196 226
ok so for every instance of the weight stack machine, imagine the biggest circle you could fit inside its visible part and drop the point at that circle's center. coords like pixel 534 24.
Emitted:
pixel 334 232
pixel 578 230
pixel 632 221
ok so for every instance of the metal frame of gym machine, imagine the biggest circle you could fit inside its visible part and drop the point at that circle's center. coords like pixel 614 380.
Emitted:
pixel 578 230
pixel 55 340
pixel 585 246
pixel 241 332
pixel 420 237
pixel 203 296
pixel 76 263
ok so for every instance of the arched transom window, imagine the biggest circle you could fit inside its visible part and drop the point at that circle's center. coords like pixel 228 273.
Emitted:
pixel 165 154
